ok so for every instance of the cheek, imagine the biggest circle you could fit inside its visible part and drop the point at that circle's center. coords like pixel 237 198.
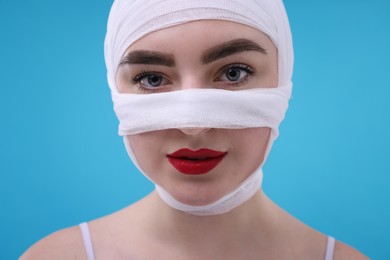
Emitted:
pixel 253 145
pixel 146 149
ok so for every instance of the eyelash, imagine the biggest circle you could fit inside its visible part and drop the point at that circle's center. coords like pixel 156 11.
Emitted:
pixel 143 75
pixel 248 69
pixel 222 72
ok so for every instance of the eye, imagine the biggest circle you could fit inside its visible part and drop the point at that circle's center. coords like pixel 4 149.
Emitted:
pixel 150 80
pixel 235 73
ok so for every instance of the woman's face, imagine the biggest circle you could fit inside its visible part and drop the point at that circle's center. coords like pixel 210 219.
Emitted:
pixel 200 54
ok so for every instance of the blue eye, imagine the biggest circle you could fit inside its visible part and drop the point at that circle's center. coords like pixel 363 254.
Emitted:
pixel 150 80
pixel 235 73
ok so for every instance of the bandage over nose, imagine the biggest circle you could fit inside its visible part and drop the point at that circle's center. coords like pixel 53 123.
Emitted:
pixel 202 108
pixel 130 20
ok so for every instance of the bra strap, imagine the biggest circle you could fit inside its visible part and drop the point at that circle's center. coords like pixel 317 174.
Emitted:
pixel 330 248
pixel 87 240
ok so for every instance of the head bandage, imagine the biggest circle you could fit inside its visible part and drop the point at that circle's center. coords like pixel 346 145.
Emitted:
pixel 130 20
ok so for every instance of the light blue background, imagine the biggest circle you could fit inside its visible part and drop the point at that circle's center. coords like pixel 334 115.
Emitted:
pixel 62 163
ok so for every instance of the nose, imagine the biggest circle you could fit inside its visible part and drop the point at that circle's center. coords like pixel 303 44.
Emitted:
pixel 194 131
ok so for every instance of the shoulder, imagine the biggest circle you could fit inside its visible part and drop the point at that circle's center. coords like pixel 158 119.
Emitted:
pixel 63 244
pixel 345 252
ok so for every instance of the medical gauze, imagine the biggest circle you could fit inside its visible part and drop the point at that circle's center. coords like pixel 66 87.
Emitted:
pixel 130 20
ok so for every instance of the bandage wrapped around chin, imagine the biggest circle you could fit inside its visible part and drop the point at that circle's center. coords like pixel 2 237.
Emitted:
pixel 130 20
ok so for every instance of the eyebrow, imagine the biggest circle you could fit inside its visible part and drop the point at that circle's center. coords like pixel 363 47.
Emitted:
pixel 229 48
pixel 215 53
pixel 148 57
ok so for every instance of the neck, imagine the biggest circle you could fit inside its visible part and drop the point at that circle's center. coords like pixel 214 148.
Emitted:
pixel 257 217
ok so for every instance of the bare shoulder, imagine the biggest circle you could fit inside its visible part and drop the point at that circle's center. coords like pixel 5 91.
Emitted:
pixel 345 252
pixel 63 244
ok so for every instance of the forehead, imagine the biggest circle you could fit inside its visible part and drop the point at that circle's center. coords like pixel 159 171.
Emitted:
pixel 200 35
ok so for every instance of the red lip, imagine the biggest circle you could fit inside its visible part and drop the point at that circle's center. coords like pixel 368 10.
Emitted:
pixel 201 161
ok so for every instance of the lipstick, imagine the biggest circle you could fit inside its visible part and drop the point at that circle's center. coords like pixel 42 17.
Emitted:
pixel 196 162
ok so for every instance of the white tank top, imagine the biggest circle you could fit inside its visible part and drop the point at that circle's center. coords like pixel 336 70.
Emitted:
pixel 91 256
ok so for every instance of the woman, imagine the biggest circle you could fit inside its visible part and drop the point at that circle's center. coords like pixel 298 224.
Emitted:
pixel 199 89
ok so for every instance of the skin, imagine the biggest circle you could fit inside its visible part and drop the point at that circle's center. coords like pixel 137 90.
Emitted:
pixel 150 229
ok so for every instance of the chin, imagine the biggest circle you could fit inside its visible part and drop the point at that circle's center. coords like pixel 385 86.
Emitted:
pixel 197 194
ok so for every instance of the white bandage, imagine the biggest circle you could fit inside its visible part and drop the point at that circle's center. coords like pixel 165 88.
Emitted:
pixel 197 108
pixel 202 108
